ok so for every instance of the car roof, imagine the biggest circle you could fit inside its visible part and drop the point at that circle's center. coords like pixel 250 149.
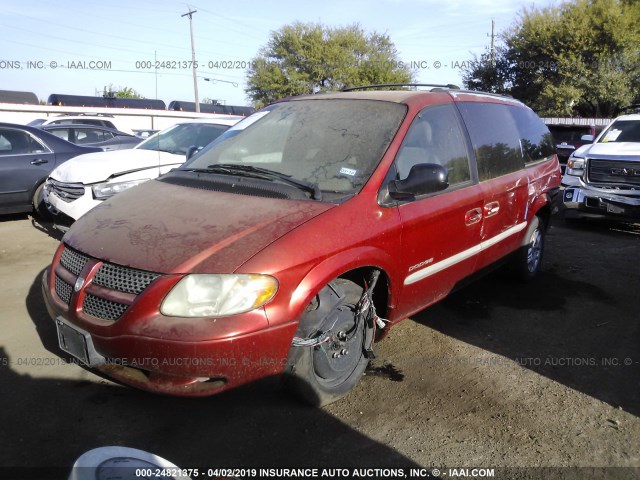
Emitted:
pixel 409 96
pixel 627 118
pixel 83 125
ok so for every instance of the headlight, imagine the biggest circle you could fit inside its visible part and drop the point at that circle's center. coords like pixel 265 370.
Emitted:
pixel 205 295
pixel 103 191
pixel 575 166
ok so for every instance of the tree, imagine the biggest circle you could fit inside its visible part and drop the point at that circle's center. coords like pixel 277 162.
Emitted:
pixel 580 58
pixel 308 58
pixel 120 92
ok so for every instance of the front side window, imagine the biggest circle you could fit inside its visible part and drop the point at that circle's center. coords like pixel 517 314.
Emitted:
pixel 334 144
pixel 435 137
pixel 62 133
pixel 495 138
pixel 89 135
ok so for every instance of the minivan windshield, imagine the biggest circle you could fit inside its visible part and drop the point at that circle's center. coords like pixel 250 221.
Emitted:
pixel 180 137
pixel 622 131
pixel 331 144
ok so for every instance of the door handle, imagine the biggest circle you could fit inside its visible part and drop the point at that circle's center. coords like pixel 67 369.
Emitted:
pixel 473 216
pixel 39 161
pixel 490 209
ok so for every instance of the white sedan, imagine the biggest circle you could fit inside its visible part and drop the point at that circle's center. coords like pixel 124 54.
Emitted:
pixel 78 185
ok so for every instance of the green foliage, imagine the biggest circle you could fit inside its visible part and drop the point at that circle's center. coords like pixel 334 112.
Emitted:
pixel 580 58
pixel 121 92
pixel 307 58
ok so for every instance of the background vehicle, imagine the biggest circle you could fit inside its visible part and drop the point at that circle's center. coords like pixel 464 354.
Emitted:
pixel 27 156
pixel 602 179
pixel 94 136
pixel 96 120
pixel 74 189
pixel 297 238
pixel 569 138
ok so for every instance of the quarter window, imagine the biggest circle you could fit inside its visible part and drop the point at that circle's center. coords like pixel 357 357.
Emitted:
pixel 435 137
pixel 535 138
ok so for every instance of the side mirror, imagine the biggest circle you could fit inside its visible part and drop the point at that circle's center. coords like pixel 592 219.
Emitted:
pixel 191 151
pixel 423 178
pixel 587 138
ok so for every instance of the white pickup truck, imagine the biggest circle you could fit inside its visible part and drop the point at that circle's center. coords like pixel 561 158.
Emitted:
pixel 602 179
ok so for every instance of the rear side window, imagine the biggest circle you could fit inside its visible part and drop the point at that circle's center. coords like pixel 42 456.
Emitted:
pixel 535 138
pixel 16 142
pixel 495 138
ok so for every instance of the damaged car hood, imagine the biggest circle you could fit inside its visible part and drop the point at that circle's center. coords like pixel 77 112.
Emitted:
pixel 198 231
pixel 98 167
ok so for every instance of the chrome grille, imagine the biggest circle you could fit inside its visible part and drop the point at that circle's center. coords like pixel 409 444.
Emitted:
pixel 66 191
pixel 613 171
pixel 73 261
pixel 123 279
pixel 101 308
pixel 63 290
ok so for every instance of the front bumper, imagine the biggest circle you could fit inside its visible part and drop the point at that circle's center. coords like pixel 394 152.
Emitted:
pixel 159 361
pixel 582 201
pixel 73 208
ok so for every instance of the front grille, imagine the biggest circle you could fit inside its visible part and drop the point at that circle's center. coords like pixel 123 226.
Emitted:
pixel 123 279
pixel 109 276
pixel 68 192
pixel 614 172
pixel 73 261
pixel 63 290
pixel 102 308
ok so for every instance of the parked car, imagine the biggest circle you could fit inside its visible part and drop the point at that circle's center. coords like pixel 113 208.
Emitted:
pixel 27 156
pixel 108 121
pixel 300 236
pixel 106 138
pixel 75 188
pixel 602 179
pixel 569 138
pixel 145 133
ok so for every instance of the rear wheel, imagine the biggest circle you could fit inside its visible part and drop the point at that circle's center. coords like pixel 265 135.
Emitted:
pixel 326 372
pixel 529 258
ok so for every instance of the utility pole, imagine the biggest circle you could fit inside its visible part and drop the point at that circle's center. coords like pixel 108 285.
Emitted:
pixel 155 62
pixel 493 36
pixel 193 57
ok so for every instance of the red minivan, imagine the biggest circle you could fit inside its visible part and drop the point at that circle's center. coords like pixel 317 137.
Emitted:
pixel 293 242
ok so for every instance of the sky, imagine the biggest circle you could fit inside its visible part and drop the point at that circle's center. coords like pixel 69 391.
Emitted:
pixel 81 47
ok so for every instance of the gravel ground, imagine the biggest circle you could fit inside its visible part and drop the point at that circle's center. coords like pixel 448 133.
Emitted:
pixel 497 375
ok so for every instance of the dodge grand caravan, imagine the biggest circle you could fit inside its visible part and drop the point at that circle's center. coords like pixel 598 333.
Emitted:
pixel 294 241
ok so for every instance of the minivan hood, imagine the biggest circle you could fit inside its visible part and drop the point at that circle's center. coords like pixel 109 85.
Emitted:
pixel 168 228
pixel 98 167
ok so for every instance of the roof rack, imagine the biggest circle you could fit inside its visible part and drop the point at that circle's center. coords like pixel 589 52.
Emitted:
pixel 448 86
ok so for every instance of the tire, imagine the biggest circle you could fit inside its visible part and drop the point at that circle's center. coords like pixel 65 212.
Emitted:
pixel 324 373
pixel 529 258
pixel 39 206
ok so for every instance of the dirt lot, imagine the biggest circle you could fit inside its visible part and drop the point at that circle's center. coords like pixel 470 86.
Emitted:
pixel 498 375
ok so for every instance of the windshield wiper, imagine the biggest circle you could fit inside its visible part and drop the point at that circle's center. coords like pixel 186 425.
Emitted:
pixel 258 172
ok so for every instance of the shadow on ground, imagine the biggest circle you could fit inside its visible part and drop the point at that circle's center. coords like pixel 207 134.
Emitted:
pixel 577 323
pixel 52 422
